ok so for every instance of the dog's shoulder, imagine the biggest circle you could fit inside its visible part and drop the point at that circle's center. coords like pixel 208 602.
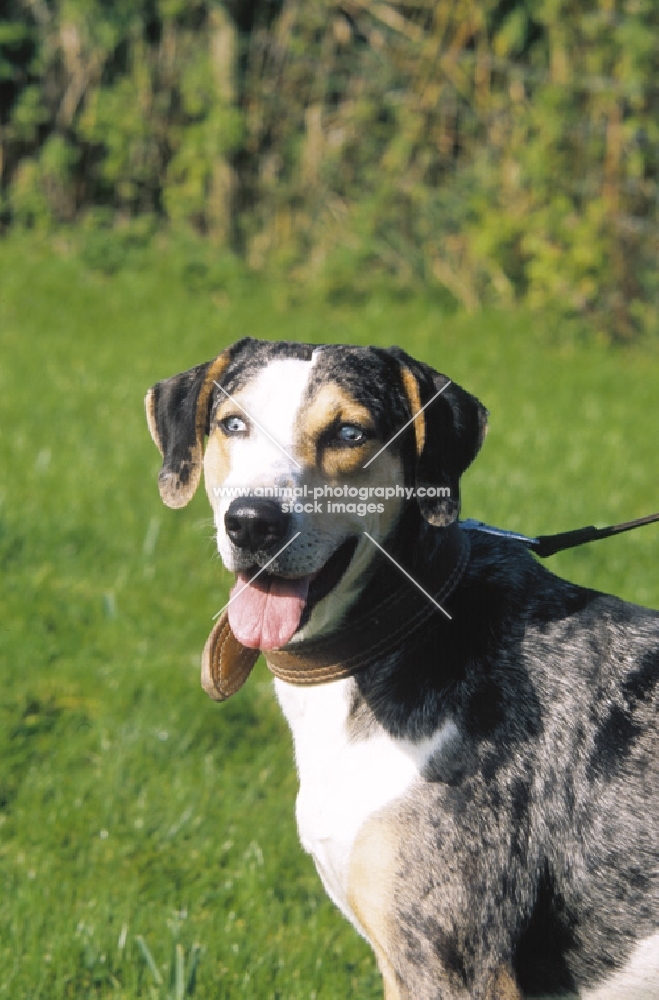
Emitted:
pixel 555 631
pixel 545 791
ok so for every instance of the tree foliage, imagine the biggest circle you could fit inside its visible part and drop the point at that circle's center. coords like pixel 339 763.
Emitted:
pixel 506 150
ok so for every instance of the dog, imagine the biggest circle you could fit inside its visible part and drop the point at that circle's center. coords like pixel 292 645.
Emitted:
pixel 475 738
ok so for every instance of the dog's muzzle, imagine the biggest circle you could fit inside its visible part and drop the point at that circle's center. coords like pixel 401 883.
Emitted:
pixel 254 524
pixel 265 609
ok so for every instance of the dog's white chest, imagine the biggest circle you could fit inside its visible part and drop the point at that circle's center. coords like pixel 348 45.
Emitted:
pixel 637 980
pixel 344 781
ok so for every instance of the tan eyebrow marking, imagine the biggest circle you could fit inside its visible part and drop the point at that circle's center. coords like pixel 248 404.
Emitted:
pixel 330 405
pixel 411 387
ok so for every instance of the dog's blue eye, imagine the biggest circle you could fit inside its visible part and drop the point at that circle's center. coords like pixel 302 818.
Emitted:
pixel 350 434
pixel 234 425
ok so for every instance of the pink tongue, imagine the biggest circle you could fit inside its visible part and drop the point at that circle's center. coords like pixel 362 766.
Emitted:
pixel 265 614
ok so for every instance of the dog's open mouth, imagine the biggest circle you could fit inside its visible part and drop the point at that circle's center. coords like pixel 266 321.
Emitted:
pixel 266 613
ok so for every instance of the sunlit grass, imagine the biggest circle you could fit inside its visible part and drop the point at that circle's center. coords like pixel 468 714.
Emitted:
pixel 136 817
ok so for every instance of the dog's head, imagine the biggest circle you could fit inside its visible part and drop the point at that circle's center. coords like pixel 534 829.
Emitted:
pixel 308 448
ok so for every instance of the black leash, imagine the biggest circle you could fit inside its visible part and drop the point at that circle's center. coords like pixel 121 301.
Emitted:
pixel 548 545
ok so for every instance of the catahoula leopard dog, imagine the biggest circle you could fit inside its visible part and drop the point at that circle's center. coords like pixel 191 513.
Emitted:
pixel 476 739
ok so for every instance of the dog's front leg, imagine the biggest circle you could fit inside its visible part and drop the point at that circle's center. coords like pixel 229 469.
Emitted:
pixel 372 898
pixel 503 986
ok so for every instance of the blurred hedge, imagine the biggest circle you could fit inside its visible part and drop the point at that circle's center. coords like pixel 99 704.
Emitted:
pixel 504 150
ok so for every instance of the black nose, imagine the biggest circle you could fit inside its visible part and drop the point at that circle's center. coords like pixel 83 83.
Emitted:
pixel 255 524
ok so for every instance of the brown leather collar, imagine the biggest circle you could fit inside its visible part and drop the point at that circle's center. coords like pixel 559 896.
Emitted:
pixel 372 629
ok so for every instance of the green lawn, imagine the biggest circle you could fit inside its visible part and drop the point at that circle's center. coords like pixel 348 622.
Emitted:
pixel 139 822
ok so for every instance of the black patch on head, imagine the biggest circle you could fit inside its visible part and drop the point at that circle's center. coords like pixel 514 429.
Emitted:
pixel 249 356
pixel 613 743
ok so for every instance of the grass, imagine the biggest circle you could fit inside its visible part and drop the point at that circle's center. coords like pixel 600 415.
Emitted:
pixel 147 838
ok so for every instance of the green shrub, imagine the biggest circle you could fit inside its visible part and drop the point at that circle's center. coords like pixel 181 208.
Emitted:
pixel 499 151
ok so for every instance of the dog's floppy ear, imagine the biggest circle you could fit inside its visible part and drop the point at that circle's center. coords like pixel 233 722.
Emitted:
pixel 448 433
pixel 178 412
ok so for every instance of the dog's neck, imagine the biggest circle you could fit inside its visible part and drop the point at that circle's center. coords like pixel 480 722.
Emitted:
pixel 391 611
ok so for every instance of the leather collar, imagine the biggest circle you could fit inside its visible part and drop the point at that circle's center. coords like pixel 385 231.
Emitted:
pixel 386 616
